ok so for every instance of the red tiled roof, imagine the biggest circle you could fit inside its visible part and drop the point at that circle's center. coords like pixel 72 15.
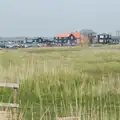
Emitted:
pixel 76 34
pixel 63 35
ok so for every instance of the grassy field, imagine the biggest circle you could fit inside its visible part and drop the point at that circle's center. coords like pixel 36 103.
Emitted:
pixel 59 82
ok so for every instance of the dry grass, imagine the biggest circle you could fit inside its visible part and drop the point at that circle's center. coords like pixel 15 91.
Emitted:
pixel 4 115
pixel 59 82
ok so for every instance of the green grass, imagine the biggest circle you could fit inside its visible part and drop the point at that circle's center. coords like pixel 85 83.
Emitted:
pixel 64 82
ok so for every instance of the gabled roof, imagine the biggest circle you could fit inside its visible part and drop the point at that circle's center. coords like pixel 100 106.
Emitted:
pixel 76 34
pixel 103 34
pixel 87 31
pixel 63 35
pixel 46 38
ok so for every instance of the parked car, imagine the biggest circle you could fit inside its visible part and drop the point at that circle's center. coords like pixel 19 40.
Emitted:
pixel 39 45
pixel 2 44
pixel 30 44
pixel 9 45
pixel 34 44
pixel 16 45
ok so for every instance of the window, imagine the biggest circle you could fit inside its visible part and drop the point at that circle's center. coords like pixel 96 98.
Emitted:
pixel 106 36
pixel 65 41
pixel 101 36
pixel 71 37
pixel 100 40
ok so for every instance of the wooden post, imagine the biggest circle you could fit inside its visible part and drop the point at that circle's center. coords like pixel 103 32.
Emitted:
pixel 15 92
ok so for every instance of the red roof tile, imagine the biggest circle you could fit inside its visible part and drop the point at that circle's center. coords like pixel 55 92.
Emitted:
pixel 76 34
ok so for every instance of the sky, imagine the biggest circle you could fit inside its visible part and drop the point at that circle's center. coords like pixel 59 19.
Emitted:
pixel 49 17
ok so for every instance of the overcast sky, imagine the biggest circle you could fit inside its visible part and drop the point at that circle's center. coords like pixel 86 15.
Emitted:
pixel 48 17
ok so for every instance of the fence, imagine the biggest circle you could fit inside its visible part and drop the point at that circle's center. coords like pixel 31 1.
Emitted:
pixel 10 110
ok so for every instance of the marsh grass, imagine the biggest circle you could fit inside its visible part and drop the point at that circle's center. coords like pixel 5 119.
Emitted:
pixel 56 82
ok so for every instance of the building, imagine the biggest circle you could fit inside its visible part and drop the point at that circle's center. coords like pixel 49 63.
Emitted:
pixel 86 32
pixel 19 39
pixel 114 40
pixel 68 37
pixel 104 38
pixel 88 36
pixel 43 39
pixel 12 39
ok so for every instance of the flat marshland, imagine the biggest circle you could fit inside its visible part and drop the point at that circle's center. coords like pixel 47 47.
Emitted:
pixel 56 82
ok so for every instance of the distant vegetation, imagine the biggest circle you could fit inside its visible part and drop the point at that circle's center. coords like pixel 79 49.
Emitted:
pixel 64 81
